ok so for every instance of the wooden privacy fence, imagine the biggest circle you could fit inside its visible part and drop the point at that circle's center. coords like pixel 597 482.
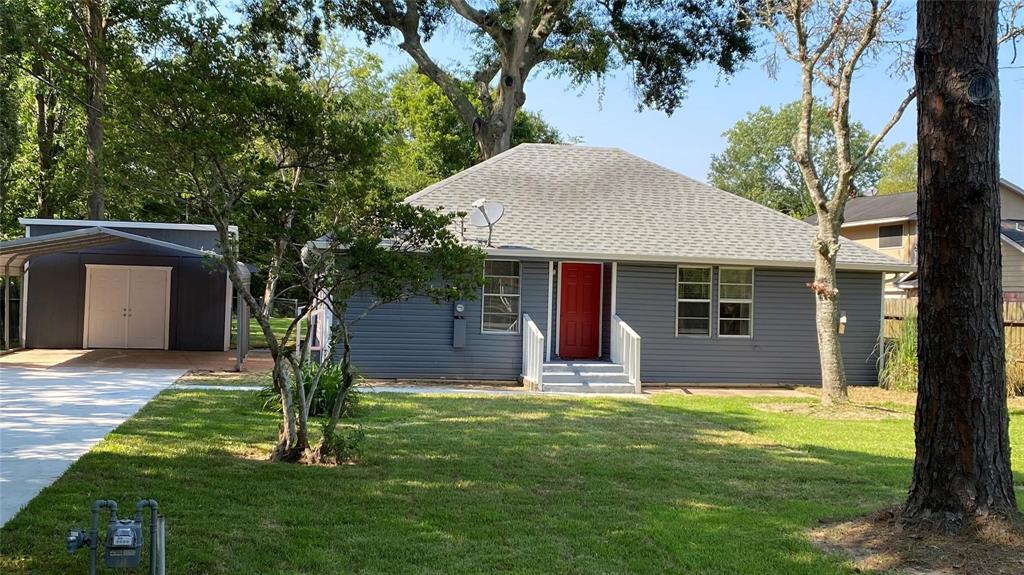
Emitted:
pixel 1013 318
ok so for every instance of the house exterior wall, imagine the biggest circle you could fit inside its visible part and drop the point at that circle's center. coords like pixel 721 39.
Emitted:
pixel 56 296
pixel 784 346
pixel 1013 269
pixel 867 235
pixel 1011 204
pixel 413 339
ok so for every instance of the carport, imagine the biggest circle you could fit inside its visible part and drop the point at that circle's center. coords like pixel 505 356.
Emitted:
pixel 96 246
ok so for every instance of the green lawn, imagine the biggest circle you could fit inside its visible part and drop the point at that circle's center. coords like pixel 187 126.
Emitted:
pixel 256 338
pixel 523 484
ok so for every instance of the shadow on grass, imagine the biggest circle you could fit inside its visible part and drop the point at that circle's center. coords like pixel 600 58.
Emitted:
pixel 469 485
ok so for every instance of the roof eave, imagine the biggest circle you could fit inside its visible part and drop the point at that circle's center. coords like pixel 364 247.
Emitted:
pixel 879 221
pixel 796 264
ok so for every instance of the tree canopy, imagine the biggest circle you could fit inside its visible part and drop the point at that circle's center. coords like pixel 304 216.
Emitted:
pixel 437 144
pixel 898 172
pixel 659 41
pixel 758 162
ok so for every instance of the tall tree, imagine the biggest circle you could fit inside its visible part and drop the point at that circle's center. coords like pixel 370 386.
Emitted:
pixel 758 162
pixel 830 40
pixel 898 170
pixel 962 464
pixel 93 20
pixel 435 143
pixel 660 41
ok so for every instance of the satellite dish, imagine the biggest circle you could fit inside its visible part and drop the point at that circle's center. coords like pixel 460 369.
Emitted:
pixel 486 214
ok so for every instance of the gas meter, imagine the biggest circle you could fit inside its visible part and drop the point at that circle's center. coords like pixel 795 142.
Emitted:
pixel 124 543
pixel 122 547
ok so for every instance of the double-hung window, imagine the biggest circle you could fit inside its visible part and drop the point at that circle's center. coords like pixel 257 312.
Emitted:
pixel 735 302
pixel 693 301
pixel 501 297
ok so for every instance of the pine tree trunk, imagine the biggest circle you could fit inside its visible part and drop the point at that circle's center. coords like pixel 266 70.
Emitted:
pixel 833 373
pixel 962 465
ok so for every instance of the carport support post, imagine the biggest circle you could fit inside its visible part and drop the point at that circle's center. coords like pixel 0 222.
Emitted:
pixel 7 311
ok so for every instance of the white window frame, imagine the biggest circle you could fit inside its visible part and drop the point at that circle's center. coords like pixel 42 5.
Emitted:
pixel 721 300
pixel 679 300
pixel 484 295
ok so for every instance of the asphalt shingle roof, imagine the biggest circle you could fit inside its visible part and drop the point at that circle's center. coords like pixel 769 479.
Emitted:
pixel 605 203
pixel 867 208
pixel 1013 230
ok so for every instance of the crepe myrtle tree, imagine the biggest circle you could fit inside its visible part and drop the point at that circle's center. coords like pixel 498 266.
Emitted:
pixel 390 253
pixel 830 40
pixel 247 139
pixel 385 253
pixel 659 41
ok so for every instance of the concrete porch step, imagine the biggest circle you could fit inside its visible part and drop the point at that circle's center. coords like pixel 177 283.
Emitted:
pixel 595 377
pixel 585 377
pixel 587 387
pixel 582 367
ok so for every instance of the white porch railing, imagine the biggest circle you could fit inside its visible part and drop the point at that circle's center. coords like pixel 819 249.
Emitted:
pixel 533 353
pixel 625 350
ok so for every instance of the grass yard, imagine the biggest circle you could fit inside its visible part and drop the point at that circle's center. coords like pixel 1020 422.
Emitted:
pixel 256 338
pixel 512 484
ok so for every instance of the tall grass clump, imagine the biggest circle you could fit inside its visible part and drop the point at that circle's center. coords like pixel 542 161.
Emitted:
pixel 899 369
pixel 899 366
pixel 1014 369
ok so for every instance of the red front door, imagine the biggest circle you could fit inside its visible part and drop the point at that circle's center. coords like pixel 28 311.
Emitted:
pixel 579 312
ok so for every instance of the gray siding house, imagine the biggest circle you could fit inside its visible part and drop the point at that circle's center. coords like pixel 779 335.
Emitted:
pixel 132 285
pixel 608 271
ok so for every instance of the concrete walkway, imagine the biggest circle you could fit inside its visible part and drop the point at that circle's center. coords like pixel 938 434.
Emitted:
pixel 50 417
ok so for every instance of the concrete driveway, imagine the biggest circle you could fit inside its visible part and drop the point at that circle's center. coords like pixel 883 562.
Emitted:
pixel 50 417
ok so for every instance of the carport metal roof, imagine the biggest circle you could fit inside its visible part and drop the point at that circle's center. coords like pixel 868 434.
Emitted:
pixel 14 253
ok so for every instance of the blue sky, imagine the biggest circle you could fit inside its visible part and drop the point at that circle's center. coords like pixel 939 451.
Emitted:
pixel 686 140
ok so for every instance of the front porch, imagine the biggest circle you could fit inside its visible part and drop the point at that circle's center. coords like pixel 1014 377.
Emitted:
pixel 592 350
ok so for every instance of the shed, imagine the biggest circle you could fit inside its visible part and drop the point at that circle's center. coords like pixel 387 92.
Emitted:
pixel 127 285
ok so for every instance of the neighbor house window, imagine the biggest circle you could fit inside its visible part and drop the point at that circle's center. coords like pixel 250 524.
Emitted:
pixel 735 301
pixel 501 296
pixel 693 301
pixel 890 236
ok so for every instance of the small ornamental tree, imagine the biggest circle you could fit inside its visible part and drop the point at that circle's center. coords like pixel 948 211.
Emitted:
pixel 248 140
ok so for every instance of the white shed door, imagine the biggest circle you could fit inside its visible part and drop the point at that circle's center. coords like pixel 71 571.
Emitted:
pixel 108 307
pixel 147 308
pixel 127 307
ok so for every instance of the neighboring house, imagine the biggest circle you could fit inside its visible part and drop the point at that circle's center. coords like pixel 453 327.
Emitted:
pixel 608 270
pixel 132 285
pixel 889 224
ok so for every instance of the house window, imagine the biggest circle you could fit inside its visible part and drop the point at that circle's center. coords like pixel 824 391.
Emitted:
pixel 890 236
pixel 693 301
pixel 501 296
pixel 735 302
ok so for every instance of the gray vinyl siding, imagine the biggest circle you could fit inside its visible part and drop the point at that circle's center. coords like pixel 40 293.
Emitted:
pixel 56 296
pixel 413 339
pixel 783 348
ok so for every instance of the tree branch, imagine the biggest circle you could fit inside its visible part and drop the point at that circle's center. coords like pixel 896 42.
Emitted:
pixel 911 94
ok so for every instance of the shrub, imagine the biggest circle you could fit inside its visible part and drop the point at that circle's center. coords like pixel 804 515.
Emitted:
pixel 341 445
pixel 326 393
